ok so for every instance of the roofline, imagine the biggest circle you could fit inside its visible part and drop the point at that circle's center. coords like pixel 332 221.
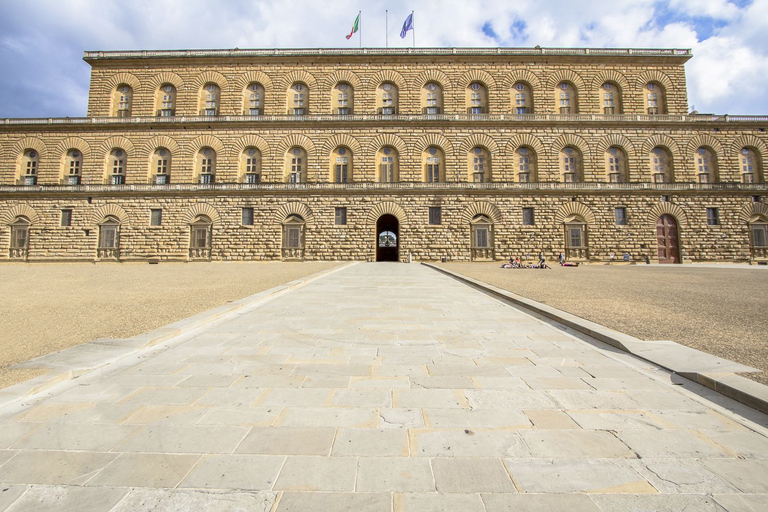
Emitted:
pixel 677 53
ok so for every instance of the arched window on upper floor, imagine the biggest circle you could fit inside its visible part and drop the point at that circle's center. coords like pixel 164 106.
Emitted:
pixel 387 99
pixel 109 238
pixel 749 163
pixel 655 98
pixel 661 165
pixel 293 237
pixel 122 101
pixel 250 165
pixel 522 98
pixel 341 165
pixel 571 165
pixel 116 165
pixel 29 164
pixel 481 244
pixel 343 99
pixel 165 100
pixel 479 165
pixel 476 98
pixel 72 167
pixel 433 163
pixel 160 166
pixel 19 248
pixel 210 97
pixel 200 238
pixel 705 164
pixel 525 164
pixel 432 98
pixel 253 100
pixel 298 99
pixel 610 98
pixel 296 165
pixel 566 98
pixel 206 166
pixel 388 164
pixel 616 166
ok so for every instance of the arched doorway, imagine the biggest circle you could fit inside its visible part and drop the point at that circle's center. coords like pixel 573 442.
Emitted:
pixel 667 236
pixel 387 238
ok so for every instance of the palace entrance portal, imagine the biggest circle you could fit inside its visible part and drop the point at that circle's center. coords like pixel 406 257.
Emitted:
pixel 667 236
pixel 387 238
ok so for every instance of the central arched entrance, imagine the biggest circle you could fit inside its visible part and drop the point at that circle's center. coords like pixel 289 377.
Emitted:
pixel 667 235
pixel 387 238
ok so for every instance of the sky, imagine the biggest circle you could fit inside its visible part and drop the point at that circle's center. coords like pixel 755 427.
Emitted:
pixel 42 41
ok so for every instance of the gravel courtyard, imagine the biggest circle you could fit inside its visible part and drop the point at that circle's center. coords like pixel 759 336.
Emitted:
pixel 50 307
pixel 721 311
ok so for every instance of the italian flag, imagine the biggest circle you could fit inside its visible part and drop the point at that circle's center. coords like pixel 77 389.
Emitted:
pixel 354 27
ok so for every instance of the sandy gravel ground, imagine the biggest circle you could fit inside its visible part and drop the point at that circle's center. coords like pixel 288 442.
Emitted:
pixel 721 311
pixel 50 307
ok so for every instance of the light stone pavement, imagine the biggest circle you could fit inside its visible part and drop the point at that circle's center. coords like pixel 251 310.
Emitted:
pixel 383 387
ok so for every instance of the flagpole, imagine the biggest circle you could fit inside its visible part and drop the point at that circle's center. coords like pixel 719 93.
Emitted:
pixel 386 28
pixel 413 30
pixel 360 27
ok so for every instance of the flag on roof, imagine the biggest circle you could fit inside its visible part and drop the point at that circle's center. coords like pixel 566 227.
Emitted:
pixel 355 26
pixel 408 25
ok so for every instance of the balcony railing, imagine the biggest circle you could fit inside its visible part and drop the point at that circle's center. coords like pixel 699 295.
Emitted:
pixel 293 253
pixel 18 253
pixel 108 253
pixel 760 253
pixel 200 253
pixel 482 254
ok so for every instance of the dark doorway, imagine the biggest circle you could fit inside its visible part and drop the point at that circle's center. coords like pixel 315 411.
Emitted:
pixel 387 238
pixel 666 233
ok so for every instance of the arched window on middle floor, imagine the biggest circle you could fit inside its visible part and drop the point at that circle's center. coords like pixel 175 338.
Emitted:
pixel 253 100
pixel 122 100
pixel 654 98
pixel 477 98
pixel 388 165
pixel 616 165
pixel 298 99
pixel 30 161
pixel 116 166
pixel 432 99
pixel 571 165
pixel 565 96
pixel 160 166
pixel 165 100
pixel 661 165
pixel 433 163
pixel 73 165
pixel 210 96
pixel 296 165
pixel 250 165
pixel 749 163
pixel 525 164
pixel 522 98
pixel 343 99
pixel 610 98
pixel 705 165
pixel 341 165
pixel 479 165
pixel 387 99
pixel 206 166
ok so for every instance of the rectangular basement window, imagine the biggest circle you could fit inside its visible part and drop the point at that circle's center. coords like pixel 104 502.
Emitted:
pixel 341 216
pixel 247 216
pixel 620 215
pixel 155 217
pixel 66 218
pixel 435 215
pixel 528 219
pixel 713 217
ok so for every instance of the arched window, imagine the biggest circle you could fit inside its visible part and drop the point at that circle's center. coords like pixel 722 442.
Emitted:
pixel 296 165
pixel 433 163
pixel 250 165
pixel 200 238
pixel 341 165
pixel 206 165
pixel 566 99
pixel 616 165
pixel 522 98
pixel 387 99
pixel 610 98
pixel 160 169
pixel 253 100
pixel 432 98
pixel 210 96
pixel 116 165
pixel 749 163
pixel 705 165
pixel 30 161
pixel 655 98
pixel 571 165
pixel 758 237
pixel 165 100
pixel 123 100
pixel 479 160
pixel 73 165
pixel 293 238
pixel 482 238
pixel 109 238
pixel 19 238
pixel 576 244
pixel 298 99
pixel 477 98
pixel 388 160
pixel 343 99
pixel 525 164
pixel 661 165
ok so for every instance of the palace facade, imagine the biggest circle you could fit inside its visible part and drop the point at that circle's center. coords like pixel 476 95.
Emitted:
pixel 386 154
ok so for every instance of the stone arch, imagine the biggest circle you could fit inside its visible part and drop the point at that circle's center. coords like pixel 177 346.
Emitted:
pixel 295 139
pixel 618 140
pixel 386 208
pixel 206 141
pixel 166 77
pixel 201 209
pixel 299 76
pixel 660 140
pixel 249 141
pixel 342 139
pixel 432 75
pixel 566 75
pixel 254 76
pixel 108 210
pixel 745 141
pixel 343 76
pixel 20 209
pixel 654 75
pixel 707 141
pixel 575 208
pixel 293 208
pixel 161 141
pixel 116 142
pixel 571 139
pixel 481 208
pixel 526 139
pixel 210 77
pixel 749 210
pixel 521 75
pixel 667 208
pixel 388 75
pixel 387 139
pixel 122 78
pixel 611 75
pixel 479 139
pixel 477 75
pixel 73 143
pixel 30 143
pixel 433 139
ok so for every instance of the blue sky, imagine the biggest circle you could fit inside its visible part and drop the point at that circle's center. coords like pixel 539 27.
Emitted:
pixel 42 41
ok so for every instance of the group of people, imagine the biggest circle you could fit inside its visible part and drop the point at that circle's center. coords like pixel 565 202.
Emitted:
pixel 517 263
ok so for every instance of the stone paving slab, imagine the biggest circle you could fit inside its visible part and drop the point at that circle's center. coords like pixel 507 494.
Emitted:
pixel 383 387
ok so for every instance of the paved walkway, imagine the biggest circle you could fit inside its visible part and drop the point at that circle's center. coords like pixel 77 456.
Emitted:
pixel 382 387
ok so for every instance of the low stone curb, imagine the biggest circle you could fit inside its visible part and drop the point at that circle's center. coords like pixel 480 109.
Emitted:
pixel 710 371
pixel 80 360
